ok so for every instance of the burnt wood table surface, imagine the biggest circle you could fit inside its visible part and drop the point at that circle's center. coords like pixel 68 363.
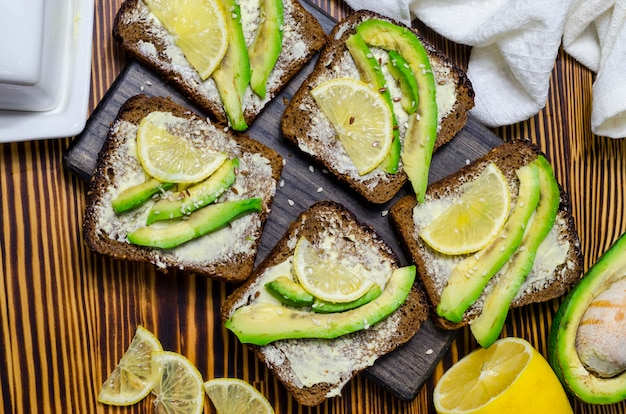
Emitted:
pixel 67 314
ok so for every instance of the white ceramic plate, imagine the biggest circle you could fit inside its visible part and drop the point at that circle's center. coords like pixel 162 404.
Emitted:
pixel 68 118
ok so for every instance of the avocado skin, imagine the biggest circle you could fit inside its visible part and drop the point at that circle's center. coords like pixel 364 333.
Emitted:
pixel 263 323
pixel 196 196
pixel 469 277
pixel 232 75
pixel 420 137
pixel 562 354
pixel 137 195
pixel 200 223
pixel 487 327
pixel 372 73
pixel 289 292
pixel 267 45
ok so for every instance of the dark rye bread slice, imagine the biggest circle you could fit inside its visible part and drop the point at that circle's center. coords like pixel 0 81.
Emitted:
pixel 117 167
pixel 305 125
pixel 143 36
pixel 431 271
pixel 350 353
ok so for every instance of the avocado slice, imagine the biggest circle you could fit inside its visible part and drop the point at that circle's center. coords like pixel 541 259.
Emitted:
pixel 137 195
pixel 267 45
pixel 196 196
pixel 470 276
pixel 262 323
pixel 420 137
pixel 323 306
pixel 199 223
pixel 487 327
pixel 232 75
pixel 372 73
pixel 401 72
pixel 562 352
pixel 289 292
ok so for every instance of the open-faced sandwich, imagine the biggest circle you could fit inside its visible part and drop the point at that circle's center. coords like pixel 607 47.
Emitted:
pixel 328 300
pixel 172 189
pixel 377 104
pixel 230 58
pixel 494 235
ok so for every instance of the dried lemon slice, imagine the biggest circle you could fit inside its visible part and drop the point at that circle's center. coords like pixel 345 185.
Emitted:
pixel 235 396
pixel 471 223
pixel 133 378
pixel 199 29
pixel 174 158
pixel 361 117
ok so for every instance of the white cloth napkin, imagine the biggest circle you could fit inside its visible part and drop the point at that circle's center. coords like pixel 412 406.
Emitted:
pixel 514 47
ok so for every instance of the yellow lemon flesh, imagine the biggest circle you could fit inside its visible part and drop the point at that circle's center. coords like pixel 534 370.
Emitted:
pixel 235 396
pixel 361 117
pixel 178 388
pixel 509 376
pixel 174 158
pixel 132 379
pixel 472 223
pixel 199 29
pixel 326 277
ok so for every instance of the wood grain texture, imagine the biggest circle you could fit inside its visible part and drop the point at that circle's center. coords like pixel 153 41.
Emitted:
pixel 67 315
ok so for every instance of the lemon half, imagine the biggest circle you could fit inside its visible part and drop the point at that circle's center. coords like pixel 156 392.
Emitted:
pixel 361 117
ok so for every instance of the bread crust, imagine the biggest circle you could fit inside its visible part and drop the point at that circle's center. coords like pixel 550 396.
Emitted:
pixel 405 323
pixel 235 267
pixel 147 41
pixel 508 157
pixel 299 119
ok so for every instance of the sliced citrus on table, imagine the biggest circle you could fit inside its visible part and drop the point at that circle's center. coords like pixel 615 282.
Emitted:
pixel 235 396
pixel 133 378
pixel 199 29
pixel 174 158
pixel 326 277
pixel 178 387
pixel 361 117
pixel 475 220
pixel 509 376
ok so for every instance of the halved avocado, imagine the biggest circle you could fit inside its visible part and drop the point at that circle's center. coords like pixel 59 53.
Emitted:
pixel 232 75
pixel 196 196
pixel 420 137
pixel 372 73
pixel 470 276
pixel 267 45
pixel 262 323
pixel 562 352
pixel 137 195
pixel 487 327
pixel 200 223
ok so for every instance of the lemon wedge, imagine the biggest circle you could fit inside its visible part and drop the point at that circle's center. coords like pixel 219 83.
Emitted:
pixel 475 220
pixel 361 117
pixel 509 376
pixel 178 387
pixel 174 158
pixel 235 396
pixel 199 29
pixel 133 378
pixel 325 277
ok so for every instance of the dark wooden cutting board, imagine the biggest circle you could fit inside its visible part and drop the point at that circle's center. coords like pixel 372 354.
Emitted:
pixel 403 372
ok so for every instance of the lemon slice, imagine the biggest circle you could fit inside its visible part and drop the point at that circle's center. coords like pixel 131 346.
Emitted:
pixel 473 222
pixel 178 387
pixel 361 117
pixel 132 379
pixel 509 376
pixel 325 277
pixel 199 29
pixel 235 396
pixel 174 158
